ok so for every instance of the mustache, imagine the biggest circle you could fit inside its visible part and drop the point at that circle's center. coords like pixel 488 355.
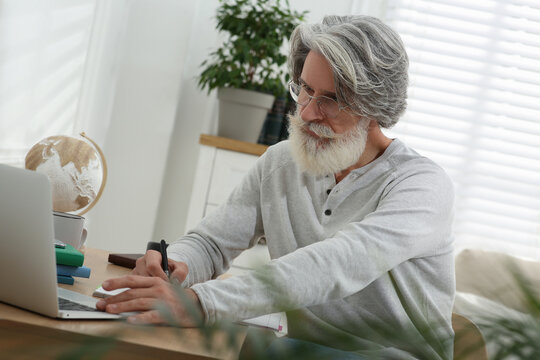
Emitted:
pixel 324 132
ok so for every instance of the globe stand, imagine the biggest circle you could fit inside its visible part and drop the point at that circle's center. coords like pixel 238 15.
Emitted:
pixel 103 180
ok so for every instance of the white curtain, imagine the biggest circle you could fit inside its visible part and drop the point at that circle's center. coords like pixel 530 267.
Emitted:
pixel 474 107
pixel 43 51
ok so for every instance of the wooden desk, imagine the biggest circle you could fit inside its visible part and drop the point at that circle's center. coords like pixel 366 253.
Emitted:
pixel 27 335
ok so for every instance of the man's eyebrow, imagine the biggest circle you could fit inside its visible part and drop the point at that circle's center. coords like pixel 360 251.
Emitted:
pixel 302 82
pixel 325 93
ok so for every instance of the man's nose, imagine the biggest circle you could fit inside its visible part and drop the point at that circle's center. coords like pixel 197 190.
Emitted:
pixel 311 112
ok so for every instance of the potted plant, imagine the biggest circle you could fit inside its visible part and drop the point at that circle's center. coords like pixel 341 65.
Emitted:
pixel 248 69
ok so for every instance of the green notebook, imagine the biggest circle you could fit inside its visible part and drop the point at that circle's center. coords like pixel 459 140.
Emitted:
pixel 69 256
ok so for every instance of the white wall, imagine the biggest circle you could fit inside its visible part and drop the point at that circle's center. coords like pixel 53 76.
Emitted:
pixel 197 113
pixel 145 97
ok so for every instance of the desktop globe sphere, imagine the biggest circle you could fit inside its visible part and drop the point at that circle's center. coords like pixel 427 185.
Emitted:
pixel 76 169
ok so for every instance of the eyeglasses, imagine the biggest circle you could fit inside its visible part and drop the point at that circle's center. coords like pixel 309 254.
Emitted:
pixel 327 106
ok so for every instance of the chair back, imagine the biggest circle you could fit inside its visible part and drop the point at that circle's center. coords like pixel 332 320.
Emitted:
pixel 469 344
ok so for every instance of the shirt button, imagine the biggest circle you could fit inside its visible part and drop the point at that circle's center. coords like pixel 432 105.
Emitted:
pixel 328 212
pixel 328 191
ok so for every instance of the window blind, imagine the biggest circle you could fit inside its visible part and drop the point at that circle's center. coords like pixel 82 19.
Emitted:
pixel 43 47
pixel 474 108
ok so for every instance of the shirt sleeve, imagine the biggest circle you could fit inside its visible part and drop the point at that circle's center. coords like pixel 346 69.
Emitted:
pixel 221 236
pixel 413 219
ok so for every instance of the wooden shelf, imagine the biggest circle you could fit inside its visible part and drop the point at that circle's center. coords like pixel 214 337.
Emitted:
pixel 232 144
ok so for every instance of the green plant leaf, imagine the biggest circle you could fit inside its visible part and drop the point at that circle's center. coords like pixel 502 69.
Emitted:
pixel 251 57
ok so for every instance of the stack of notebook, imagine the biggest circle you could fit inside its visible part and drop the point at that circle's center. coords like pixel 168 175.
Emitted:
pixel 69 263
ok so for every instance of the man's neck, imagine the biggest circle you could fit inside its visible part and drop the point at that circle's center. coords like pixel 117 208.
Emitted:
pixel 376 144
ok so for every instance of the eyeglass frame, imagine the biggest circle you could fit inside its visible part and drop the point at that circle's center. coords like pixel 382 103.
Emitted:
pixel 295 98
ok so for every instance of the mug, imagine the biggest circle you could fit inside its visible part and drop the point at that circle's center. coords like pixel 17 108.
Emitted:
pixel 69 229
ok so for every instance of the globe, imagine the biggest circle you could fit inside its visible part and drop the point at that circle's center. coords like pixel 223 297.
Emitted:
pixel 75 167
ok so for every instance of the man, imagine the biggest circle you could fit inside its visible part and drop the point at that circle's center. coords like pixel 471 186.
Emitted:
pixel 358 225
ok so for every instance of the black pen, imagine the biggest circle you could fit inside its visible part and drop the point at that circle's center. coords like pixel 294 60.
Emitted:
pixel 164 261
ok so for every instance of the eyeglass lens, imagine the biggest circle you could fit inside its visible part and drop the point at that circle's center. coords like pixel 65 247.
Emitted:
pixel 327 106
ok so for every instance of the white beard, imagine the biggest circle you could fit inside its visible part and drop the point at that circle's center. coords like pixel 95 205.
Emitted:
pixel 331 152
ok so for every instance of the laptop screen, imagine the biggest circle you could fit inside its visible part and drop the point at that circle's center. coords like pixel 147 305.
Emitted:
pixel 27 258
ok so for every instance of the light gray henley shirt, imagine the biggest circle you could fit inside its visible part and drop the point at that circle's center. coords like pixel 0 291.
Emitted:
pixel 365 265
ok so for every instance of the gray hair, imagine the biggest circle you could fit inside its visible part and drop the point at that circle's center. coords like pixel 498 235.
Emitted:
pixel 368 60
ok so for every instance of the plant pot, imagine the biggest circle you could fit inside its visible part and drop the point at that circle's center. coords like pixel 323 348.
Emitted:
pixel 242 113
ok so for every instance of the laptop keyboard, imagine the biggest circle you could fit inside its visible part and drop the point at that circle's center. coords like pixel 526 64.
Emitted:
pixel 65 304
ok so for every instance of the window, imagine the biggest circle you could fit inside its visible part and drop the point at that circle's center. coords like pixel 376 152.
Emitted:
pixel 43 47
pixel 474 108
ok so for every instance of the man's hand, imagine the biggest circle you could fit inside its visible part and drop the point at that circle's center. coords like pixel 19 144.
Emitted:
pixel 150 265
pixel 145 293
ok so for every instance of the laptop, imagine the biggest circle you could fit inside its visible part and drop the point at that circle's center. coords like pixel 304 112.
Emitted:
pixel 27 256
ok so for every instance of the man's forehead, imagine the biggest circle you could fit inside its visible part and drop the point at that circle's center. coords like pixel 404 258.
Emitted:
pixel 317 74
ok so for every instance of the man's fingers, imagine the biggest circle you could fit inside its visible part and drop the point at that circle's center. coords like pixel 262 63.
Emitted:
pixel 129 281
pixel 155 269
pixel 147 317
pixel 156 317
pixel 149 265
pixel 140 266
pixel 127 295
pixel 138 304
pixel 179 271
pixel 153 264
pixel 178 276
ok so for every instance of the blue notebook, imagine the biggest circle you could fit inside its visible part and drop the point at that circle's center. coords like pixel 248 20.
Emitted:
pixel 61 279
pixel 79 271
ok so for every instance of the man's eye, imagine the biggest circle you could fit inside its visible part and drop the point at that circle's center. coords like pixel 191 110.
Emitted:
pixel 307 89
